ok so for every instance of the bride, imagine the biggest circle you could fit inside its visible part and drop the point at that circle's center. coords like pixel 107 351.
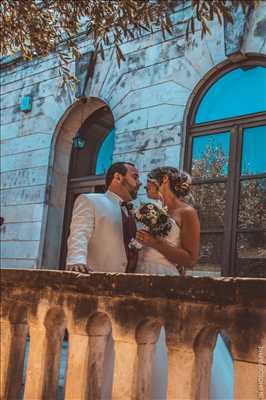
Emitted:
pixel 181 246
pixel 172 256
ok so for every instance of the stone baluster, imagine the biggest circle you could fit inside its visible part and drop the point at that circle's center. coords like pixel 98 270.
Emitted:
pixel 13 341
pixel 125 370
pixel 36 370
pixel 76 386
pixel 181 363
pixel 204 345
pixel 180 339
pixel 46 335
pixel 147 335
pixel 87 344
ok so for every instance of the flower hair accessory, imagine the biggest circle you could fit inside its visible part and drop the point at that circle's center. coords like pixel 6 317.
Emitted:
pixel 183 186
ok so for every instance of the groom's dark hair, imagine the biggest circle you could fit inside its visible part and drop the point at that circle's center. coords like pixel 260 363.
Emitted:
pixel 120 167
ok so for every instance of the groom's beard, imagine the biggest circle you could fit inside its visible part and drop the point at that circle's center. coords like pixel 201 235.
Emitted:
pixel 133 191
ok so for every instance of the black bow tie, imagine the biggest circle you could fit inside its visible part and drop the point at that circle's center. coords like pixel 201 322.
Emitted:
pixel 129 206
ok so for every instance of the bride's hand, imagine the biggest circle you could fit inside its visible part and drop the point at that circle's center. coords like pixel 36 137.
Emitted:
pixel 146 238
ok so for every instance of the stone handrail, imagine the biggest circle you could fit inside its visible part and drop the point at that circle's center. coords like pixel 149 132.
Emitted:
pixel 44 304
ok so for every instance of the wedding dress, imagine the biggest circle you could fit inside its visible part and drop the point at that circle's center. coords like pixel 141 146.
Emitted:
pixel 221 387
pixel 154 263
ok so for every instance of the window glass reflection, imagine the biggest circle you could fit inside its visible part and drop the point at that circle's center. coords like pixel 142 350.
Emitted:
pixel 105 155
pixel 209 200
pixel 210 155
pixel 254 151
pixel 252 245
pixel 252 205
pixel 211 251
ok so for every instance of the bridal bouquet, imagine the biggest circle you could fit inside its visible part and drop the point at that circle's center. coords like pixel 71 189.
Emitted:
pixel 154 218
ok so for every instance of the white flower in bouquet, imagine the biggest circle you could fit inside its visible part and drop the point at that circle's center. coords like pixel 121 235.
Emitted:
pixel 154 218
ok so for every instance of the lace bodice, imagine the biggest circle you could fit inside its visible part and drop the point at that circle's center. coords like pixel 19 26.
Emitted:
pixel 152 262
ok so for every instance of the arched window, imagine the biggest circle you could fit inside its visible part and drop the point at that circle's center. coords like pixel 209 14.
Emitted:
pixel 226 155
pixel 105 154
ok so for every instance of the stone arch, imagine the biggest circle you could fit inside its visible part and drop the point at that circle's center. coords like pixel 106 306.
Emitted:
pixel 205 345
pixel 58 169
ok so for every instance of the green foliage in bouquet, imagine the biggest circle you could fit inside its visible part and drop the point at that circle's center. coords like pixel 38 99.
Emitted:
pixel 155 218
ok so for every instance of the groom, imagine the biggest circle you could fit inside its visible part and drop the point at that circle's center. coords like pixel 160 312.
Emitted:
pixel 102 226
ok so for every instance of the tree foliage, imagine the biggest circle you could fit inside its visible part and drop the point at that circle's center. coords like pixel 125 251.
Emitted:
pixel 39 27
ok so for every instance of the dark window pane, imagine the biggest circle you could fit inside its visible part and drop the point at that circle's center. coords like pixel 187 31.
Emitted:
pixel 210 155
pixel 254 151
pixel 209 200
pixel 252 245
pixel 211 250
pixel 251 254
pixel 239 92
pixel 105 155
pixel 252 205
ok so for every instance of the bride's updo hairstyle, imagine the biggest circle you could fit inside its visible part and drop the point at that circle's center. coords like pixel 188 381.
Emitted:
pixel 179 181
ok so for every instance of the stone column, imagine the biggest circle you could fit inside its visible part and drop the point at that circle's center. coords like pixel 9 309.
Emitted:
pixel 124 383
pixel 145 364
pixel 36 371
pixel 13 341
pixel 46 336
pixel 76 386
pixel 147 335
pixel 181 365
pixel 97 380
pixel 204 348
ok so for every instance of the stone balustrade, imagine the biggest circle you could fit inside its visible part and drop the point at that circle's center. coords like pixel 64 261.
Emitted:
pixel 130 309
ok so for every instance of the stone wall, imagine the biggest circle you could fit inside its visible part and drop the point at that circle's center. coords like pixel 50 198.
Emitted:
pixel 148 96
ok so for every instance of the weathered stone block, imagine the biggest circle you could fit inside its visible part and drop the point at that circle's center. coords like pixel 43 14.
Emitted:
pixel 20 249
pixel 141 140
pixel 25 144
pixel 34 194
pixel 22 213
pixel 35 158
pixel 24 177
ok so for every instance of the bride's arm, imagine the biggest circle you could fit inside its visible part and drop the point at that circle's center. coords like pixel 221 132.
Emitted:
pixel 187 253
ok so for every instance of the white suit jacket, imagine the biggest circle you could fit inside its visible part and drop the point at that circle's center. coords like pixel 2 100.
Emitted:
pixel 96 233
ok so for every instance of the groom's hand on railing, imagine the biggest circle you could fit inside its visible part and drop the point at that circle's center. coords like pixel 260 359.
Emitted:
pixel 84 269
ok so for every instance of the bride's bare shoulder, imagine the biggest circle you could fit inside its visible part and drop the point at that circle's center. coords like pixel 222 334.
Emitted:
pixel 185 213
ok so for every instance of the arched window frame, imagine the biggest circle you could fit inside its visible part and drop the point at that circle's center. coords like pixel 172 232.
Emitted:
pixel 236 125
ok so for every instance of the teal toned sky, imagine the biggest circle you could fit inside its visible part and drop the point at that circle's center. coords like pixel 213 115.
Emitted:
pixel 236 93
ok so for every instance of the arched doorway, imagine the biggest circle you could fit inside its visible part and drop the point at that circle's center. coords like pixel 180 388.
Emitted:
pixel 82 151
pixel 91 155
pixel 225 153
